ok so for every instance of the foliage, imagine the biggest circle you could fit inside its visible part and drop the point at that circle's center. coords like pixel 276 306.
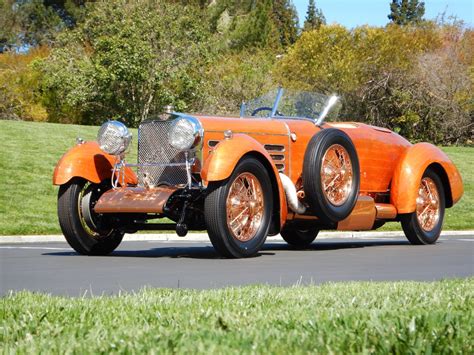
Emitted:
pixel 126 60
pixel 414 80
pixel 404 12
pixel 249 24
pixel 286 21
pixel 25 23
pixel 334 318
pixel 17 78
pixel 237 76
pixel 255 29
pixel 38 23
pixel 7 24
pixel 30 150
pixel 314 17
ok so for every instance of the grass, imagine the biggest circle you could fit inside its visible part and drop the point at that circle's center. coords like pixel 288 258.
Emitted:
pixel 29 152
pixel 400 317
pixel 28 156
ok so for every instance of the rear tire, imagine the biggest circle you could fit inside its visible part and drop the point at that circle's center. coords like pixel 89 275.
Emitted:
pixel 238 210
pixel 424 225
pixel 87 232
pixel 299 238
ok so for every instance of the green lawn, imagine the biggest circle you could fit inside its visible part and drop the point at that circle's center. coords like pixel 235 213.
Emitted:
pixel 29 152
pixel 400 317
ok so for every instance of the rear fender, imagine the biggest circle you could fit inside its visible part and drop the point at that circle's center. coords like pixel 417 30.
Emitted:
pixel 89 162
pixel 223 159
pixel 410 169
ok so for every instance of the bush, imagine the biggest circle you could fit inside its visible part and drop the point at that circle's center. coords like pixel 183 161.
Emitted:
pixel 236 77
pixel 414 80
pixel 19 98
pixel 127 61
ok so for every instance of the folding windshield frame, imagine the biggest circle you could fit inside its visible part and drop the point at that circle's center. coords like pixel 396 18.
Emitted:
pixel 273 114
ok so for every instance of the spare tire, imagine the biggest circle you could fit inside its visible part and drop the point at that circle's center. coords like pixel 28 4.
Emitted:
pixel 331 176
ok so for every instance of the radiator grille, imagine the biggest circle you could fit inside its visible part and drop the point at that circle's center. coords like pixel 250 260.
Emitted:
pixel 153 148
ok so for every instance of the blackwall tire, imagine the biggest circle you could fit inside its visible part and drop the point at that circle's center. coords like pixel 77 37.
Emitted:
pixel 419 227
pixel 86 232
pixel 299 237
pixel 238 210
pixel 323 201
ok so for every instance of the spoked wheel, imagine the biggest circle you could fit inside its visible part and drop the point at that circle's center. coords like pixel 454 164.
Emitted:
pixel 87 232
pixel 331 175
pixel 336 175
pixel 299 237
pixel 423 226
pixel 238 210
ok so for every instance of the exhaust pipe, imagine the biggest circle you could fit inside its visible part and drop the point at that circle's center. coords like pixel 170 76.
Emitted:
pixel 290 192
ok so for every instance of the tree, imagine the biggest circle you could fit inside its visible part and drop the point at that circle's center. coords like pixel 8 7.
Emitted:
pixel 404 12
pixel 314 17
pixel 255 23
pixel 127 60
pixel 25 23
pixel 38 23
pixel 8 25
pixel 255 28
pixel 286 21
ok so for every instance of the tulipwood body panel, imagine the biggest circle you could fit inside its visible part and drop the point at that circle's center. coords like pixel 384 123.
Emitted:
pixel 382 154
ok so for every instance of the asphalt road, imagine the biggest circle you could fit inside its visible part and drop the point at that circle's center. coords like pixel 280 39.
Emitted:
pixel 55 268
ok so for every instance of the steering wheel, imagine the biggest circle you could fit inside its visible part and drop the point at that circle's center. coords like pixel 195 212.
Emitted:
pixel 264 108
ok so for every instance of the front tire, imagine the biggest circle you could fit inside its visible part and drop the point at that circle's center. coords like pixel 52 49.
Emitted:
pixel 238 210
pixel 87 232
pixel 424 225
pixel 299 238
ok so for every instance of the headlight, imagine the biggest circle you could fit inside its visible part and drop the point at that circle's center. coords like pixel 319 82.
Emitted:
pixel 185 133
pixel 114 137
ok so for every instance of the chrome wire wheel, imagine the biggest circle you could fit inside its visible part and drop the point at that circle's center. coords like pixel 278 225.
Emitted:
pixel 424 224
pixel 245 207
pixel 336 175
pixel 238 210
pixel 428 205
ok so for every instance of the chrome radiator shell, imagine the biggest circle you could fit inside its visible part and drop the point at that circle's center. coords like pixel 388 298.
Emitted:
pixel 158 162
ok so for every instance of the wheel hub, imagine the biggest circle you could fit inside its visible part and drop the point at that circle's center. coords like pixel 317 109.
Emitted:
pixel 428 205
pixel 89 219
pixel 245 207
pixel 336 175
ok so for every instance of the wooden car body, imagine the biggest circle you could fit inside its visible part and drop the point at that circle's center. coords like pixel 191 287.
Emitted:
pixel 390 170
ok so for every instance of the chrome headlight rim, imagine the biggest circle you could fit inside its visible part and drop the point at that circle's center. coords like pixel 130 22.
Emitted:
pixel 194 135
pixel 114 138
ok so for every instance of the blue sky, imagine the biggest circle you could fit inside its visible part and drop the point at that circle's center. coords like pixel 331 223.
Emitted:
pixel 351 13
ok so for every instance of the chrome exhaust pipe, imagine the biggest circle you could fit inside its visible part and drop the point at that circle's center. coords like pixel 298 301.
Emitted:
pixel 290 191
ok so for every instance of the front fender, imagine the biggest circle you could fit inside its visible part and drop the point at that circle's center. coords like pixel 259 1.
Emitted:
pixel 410 169
pixel 88 161
pixel 223 159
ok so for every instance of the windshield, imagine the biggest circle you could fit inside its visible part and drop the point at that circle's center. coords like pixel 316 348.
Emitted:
pixel 289 103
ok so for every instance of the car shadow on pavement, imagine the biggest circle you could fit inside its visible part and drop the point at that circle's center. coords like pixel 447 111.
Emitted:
pixel 194 252
pixel 336 245
pixel 208 252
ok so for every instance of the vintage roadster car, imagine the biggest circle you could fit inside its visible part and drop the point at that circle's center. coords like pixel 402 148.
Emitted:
pixel 278 168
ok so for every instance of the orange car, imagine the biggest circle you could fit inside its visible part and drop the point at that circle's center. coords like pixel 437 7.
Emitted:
pixel 278 168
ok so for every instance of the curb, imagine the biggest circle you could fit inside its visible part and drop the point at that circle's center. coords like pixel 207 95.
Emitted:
pixel 203 237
